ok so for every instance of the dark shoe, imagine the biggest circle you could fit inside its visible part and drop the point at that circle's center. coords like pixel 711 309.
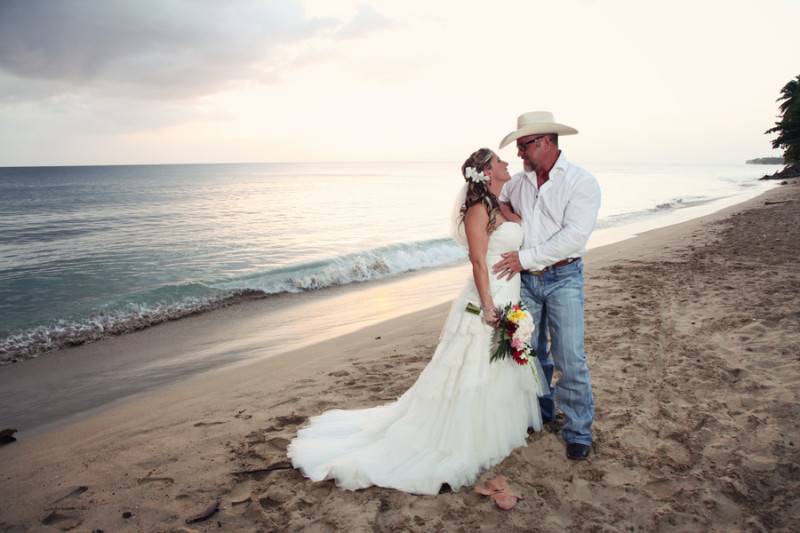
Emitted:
pixel 577 451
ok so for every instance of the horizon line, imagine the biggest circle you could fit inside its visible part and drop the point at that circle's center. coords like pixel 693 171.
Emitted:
pixel 364 161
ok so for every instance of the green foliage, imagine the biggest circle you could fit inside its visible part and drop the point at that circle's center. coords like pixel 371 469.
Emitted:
pixel 788 127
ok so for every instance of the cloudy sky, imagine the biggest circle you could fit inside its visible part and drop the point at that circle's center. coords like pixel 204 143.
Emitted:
pixel 180 81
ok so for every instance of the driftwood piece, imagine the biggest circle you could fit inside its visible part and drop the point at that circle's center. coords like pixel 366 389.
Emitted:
pixel 7 436
pixel 77 491
pixel 149 479
pixel 207 513
pixel 282 465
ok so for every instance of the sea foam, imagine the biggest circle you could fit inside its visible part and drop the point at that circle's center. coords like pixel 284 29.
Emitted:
pixel 172 302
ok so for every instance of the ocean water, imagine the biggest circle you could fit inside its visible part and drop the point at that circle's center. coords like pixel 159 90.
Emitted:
pixel 87 252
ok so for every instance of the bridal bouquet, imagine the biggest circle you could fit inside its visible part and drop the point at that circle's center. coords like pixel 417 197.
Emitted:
pixel 513 334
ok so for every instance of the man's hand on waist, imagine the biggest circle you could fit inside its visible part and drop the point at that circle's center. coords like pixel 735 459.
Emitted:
pixel 507 266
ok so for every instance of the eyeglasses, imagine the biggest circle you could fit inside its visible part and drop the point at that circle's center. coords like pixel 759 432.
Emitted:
pixel 524 146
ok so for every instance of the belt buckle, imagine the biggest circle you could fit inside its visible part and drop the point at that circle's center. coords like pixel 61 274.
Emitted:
pixel 567 261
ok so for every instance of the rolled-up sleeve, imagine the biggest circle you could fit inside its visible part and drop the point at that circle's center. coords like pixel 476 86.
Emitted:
pixel 580 217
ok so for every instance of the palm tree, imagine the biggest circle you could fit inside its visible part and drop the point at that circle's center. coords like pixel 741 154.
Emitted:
pixel 788 127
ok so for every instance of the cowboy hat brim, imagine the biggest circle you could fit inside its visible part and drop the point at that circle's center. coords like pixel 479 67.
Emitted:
pixel 534 129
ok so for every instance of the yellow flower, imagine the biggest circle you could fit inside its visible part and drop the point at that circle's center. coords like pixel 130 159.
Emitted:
pixel 516 316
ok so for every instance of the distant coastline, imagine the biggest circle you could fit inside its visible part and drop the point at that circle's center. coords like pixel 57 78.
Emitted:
pixel 765 161
pixel 789 171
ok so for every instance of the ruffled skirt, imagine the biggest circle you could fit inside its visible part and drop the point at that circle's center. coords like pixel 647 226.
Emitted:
pixel 463 415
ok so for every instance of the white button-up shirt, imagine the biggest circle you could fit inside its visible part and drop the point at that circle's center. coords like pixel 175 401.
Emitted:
pixel 558 219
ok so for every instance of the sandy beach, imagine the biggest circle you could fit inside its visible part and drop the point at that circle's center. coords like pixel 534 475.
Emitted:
pixel 693 335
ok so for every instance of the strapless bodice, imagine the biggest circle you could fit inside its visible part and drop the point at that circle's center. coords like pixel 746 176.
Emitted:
pixel 506 238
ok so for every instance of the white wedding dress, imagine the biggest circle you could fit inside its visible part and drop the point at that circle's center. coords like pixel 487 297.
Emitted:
pixel 464 413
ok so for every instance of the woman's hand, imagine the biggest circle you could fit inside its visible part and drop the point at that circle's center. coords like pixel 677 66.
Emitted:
pixel 490 315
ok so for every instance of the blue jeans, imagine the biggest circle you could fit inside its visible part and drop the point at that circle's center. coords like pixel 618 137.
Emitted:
pixel 555 300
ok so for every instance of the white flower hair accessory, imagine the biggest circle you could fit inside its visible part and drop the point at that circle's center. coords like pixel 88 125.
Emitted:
pixel 474 176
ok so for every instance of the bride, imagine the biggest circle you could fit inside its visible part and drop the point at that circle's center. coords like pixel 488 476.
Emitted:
pixel 463 414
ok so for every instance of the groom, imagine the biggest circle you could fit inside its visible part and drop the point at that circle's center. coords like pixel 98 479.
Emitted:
pixel 558 203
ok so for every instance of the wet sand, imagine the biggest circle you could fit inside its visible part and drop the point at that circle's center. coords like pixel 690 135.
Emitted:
pixel 693 334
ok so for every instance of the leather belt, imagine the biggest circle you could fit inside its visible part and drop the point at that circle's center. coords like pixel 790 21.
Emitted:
pixel 563 262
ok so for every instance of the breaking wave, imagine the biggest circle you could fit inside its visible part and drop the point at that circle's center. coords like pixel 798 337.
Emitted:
pixel 171 302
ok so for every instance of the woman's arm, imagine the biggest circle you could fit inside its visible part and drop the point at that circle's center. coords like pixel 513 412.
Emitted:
pixel 476 221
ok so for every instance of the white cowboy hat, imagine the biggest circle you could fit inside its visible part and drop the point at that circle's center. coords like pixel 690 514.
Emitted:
pixel 536 122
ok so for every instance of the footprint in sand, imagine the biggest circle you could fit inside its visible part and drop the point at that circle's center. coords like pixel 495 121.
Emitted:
pixel 279 443
pixel 291 420
pixel 63 520
pixel 303 383
pixel 280 422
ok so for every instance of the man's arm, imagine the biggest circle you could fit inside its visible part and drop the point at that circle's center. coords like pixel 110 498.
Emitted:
pixel 506 207
pixel 508 212
pixel 580 217
pixel 579 220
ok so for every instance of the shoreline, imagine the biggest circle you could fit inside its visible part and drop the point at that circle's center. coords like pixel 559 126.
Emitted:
pixel 73 382
pixel 47 340
pixel 696 381
pixel 78 381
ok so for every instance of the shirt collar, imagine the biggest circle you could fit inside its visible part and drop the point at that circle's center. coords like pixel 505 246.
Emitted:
pixel 557 172
pixel 560 168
